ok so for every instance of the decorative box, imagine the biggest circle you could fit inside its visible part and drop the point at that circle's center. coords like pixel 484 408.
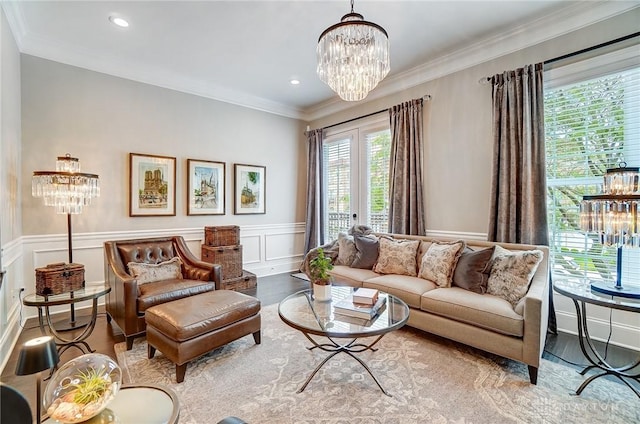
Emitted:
pixel 59 278
pixel 229 257
pixel 222 235
pixel 248 280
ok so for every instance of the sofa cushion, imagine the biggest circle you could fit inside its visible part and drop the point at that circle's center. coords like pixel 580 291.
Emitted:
pixel 472 270
pixel 397 257
pixel 486 311
pixel 440 261
pixel 165 291
pixel 347 276
pixel 148 273
pixel 367 251
pixel 511 273
pixel 346 249
pixel 405 287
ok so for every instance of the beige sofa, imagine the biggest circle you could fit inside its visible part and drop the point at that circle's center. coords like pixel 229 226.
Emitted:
pixel 483 321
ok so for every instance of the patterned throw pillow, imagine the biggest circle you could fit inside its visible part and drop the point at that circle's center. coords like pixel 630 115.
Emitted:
pixel 149 273
pixel 440 261
pixel 346 249
pixel 511 273
pixel 367 251
pixel 397 257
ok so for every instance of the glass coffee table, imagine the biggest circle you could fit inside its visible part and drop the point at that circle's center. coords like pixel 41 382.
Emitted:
pixel 312 317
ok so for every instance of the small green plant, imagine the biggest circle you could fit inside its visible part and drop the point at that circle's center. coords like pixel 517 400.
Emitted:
pixel 320 267
pixel 91 387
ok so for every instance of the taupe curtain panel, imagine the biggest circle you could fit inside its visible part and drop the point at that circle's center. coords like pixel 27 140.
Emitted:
pixel 518 194
pixel 314 232
pixel 406 206
pixel 518 211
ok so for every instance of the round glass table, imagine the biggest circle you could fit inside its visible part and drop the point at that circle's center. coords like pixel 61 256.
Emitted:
pixel 139 404
pixel 43 303
pixel 311 317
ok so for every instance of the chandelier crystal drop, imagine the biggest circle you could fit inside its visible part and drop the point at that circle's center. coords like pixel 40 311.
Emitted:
pixel 353 56
pixel 66 188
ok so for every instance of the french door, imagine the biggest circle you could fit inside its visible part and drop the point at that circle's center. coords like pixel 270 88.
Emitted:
pixel 356 178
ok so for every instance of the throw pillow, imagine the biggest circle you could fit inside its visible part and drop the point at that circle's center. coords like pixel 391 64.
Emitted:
pixel 367 252
pixel 440 261
pixel 149 273
pixel 397 257
pixel 472 270
pixel 511 273
pixel 346 249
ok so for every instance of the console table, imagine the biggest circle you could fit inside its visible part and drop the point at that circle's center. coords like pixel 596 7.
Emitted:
pixel 579 291
pixel 43 303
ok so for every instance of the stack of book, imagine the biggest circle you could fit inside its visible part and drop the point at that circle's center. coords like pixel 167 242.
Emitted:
pixel 361 304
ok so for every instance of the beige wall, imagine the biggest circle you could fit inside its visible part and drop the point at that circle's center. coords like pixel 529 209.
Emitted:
pixel 100 119
pixel 10 133
pixel 458 142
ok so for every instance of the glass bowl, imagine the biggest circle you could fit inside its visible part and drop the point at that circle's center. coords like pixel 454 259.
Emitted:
pixel 82 388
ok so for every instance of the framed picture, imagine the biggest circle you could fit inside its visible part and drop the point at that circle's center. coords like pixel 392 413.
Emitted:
pixel 205 187
pixel 249 189
pixel 152 185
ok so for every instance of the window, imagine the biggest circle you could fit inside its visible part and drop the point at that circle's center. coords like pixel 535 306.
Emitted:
pixel 356 178
pixel 592 123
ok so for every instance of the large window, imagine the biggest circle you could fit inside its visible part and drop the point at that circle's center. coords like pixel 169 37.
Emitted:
pixel 356 178
pixel 592 123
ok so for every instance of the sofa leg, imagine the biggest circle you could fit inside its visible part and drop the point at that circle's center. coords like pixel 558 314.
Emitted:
pixel 150 351
pixel 533 374
pixel 129 342
pixel 256 337
pixel 180 372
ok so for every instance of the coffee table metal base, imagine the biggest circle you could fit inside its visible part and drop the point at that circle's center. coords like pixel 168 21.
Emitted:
pixel 350 349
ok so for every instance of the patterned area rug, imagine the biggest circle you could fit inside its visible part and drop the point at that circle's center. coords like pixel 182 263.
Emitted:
pixel 431 380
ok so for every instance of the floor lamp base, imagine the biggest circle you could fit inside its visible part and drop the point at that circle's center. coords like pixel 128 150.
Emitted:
pixel 618 291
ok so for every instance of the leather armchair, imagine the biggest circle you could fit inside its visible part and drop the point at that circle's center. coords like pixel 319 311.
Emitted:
pixel 127 302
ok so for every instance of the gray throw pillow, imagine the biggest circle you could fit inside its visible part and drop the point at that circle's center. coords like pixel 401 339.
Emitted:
pixel 367 255
pixel 472 270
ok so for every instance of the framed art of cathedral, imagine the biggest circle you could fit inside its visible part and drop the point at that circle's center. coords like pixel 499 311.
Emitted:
pixel 152 185
pixel 205 187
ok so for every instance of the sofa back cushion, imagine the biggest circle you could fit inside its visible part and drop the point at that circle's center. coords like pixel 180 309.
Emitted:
pixel 148 253
pixel 397 257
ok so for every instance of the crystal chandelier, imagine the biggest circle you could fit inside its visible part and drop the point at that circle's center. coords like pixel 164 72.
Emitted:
pixel 353 56
pixel 614 215
pixel 66 188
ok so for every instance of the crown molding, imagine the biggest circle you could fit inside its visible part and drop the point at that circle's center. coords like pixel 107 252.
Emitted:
pixel 569 19
pixel 15 20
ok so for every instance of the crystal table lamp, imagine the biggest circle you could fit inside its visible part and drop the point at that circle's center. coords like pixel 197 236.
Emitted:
pixel 613 215
pixel 37 355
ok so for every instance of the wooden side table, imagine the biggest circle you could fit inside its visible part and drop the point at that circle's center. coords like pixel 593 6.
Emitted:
pixel 43 303
pixel 579 291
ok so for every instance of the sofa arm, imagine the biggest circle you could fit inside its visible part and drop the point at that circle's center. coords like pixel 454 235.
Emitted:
pixel 121 302
pixel 536 314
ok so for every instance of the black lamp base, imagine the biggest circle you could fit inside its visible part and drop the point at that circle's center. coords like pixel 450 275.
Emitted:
pixel 614 290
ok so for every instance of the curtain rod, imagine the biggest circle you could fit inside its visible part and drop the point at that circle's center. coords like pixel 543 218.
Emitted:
pixel 579 52
pixel 425 97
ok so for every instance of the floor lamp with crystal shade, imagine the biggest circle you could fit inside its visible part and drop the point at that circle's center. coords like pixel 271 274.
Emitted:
pixel 614 216
pixel 68 190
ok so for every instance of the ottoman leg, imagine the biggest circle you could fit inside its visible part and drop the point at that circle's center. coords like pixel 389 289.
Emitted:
pixel 256 337
pixel 150 351
pixel 180 371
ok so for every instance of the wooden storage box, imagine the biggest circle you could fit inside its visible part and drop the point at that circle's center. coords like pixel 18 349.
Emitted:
pixel 229 257
pixel 59 278
pixel 222 235
pixel 248 280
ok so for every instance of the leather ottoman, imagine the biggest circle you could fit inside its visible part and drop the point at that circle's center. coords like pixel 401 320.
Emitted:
pixel 187 328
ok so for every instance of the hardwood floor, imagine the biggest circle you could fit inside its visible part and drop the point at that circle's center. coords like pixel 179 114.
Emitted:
pixel 561 348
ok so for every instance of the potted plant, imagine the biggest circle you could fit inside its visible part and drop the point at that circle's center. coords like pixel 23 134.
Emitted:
pixel 320 277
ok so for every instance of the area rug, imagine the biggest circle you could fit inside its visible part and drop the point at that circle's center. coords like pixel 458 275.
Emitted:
pixel 432 381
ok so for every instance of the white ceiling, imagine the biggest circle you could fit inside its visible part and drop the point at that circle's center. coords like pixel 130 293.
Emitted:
pixel 245 52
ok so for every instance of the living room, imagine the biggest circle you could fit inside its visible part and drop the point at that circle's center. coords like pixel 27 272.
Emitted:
pixel 51 105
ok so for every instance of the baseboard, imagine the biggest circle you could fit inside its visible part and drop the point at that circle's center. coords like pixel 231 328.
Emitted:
pixel 622 335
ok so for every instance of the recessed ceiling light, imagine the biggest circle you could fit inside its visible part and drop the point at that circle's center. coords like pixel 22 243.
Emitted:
pixel 119 21
pixel 294 81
